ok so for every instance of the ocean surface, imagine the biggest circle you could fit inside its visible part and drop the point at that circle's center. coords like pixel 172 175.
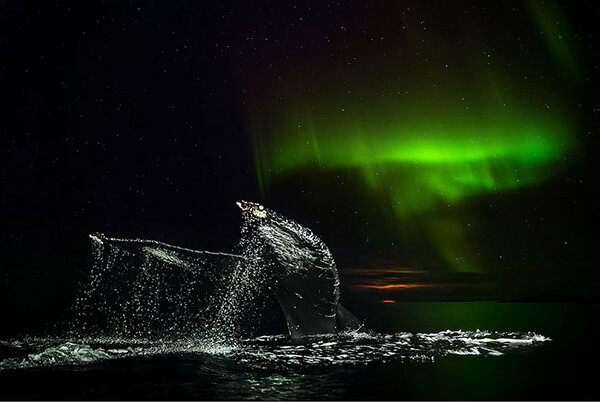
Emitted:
pixel 442 350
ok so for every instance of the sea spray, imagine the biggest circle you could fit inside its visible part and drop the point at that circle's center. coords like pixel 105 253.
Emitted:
pixel 144 289
pixel 147 298
pixel 138 289
pixel 243 289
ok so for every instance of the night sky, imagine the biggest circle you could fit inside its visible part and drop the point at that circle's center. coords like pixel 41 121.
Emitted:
pixel 443 150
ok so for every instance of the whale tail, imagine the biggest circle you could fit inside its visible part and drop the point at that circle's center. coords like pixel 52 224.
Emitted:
pixel 161 280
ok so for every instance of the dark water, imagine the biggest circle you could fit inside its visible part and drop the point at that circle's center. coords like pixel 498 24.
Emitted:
pixel 431 351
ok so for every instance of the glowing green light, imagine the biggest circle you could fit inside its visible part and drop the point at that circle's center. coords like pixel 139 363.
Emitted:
pixel 422 162
pixel 420 165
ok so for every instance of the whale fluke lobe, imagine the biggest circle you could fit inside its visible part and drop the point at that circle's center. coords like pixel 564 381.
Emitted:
pixel 149 289
pixel 304 275
pixel 166 252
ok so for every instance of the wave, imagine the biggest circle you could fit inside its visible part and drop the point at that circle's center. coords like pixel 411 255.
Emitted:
pixel 350 348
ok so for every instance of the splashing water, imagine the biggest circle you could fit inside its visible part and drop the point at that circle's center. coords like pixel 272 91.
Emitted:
pixel 147 298
pixel 268 352
pixel 243 288
pixel 147 290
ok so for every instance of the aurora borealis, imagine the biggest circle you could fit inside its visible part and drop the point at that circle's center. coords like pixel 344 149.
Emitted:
pixel 422 110
pixel 420 166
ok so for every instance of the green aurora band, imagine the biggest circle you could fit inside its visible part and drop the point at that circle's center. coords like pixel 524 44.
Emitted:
pixel 422 167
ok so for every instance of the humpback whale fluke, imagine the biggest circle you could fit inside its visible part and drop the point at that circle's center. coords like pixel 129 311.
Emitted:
pixel 144 287
pixel 303 273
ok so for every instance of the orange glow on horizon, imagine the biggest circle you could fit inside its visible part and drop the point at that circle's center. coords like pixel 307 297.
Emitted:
pixel 394 286
pixel 388 301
